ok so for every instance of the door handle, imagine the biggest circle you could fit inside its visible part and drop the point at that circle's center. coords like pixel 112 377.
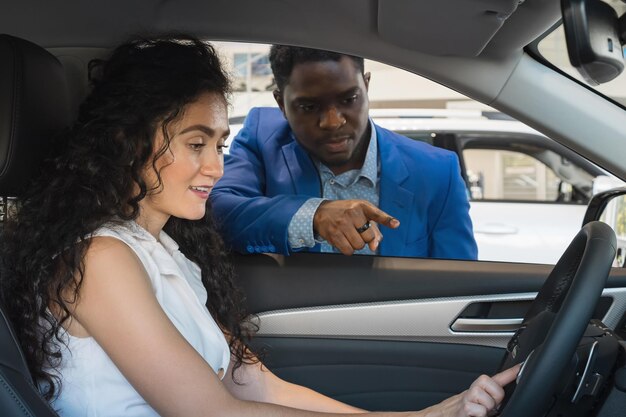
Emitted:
pixel 486 325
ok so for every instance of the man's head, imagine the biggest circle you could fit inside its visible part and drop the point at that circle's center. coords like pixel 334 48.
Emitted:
pixel 323 95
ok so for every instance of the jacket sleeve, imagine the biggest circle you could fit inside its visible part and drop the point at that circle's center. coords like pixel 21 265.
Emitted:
pixel 249 221
pixel 453 235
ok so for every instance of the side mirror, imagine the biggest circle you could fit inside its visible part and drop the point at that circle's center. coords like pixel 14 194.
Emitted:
pixel 592 32
pixel 610 207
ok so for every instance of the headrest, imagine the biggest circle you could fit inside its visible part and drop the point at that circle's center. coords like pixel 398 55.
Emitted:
pixel 10 354
pixel 34 106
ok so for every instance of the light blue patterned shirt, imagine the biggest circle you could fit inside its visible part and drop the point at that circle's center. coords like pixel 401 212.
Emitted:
pixel 361 184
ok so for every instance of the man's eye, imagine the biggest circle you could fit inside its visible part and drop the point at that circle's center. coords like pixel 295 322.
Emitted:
pixel 351 99
pixel 307 107
pixel 220 148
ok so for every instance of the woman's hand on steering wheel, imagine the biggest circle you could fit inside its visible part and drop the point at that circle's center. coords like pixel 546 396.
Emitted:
pixel 481 399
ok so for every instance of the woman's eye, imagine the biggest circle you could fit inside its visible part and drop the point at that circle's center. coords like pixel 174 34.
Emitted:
pixel 220 148
pixel 196 146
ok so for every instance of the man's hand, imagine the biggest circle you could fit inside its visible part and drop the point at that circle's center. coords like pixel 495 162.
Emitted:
pixel 349 225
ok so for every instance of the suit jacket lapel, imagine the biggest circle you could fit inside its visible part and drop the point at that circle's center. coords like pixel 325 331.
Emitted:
pixel 394 199
pixel 304 175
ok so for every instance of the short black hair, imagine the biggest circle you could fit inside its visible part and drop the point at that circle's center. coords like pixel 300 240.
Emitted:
pixel 283 58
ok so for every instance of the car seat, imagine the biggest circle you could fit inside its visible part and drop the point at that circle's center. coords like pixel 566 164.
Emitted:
pixel 34 105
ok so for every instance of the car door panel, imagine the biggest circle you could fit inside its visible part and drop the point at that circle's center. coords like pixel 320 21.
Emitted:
pixel 376 332
pixel 378 375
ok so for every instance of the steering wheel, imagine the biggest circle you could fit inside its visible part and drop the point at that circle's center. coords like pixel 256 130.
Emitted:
pixel 557 320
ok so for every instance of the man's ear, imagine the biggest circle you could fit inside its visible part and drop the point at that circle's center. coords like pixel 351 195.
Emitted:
pixel 366 78
pixel 278 96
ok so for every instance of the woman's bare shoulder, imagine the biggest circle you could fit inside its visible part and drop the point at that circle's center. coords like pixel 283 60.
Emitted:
pixel 112 271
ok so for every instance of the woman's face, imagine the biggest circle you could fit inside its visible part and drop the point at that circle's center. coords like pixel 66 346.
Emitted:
pixel 191 166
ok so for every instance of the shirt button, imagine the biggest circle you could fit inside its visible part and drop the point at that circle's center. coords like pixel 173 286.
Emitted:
pixel 250 248
pixel 332 181
pixel 301 241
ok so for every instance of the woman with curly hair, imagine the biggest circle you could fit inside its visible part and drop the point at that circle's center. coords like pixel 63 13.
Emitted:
pixel 117 282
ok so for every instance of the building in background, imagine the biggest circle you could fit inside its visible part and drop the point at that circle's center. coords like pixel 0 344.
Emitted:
pixel 390 87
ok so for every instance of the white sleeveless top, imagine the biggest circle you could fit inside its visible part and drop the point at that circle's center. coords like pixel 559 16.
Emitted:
pixel 92 386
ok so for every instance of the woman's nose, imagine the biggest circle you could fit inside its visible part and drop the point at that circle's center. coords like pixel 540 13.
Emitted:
pixel 213 164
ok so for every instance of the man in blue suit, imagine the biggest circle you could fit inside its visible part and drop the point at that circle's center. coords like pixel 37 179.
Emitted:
pixel 317 174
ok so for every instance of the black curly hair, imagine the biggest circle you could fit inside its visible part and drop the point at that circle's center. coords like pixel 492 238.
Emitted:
pixel 96 178
pixel 284 57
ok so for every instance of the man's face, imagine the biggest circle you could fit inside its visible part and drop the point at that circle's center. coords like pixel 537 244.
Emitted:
pixel 326 106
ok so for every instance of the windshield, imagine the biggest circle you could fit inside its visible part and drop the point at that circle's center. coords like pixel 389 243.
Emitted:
pixel 554 50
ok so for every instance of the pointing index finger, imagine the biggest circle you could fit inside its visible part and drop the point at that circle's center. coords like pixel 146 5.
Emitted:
pixel 380 217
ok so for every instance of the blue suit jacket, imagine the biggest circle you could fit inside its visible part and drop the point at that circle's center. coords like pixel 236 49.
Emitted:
pixel 268 176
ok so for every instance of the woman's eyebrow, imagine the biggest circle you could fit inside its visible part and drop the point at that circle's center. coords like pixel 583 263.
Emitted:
pixel 203 128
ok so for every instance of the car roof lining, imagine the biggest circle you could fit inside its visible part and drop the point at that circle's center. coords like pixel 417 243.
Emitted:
pixel 359 27
pixel 402 23
pixel 101 23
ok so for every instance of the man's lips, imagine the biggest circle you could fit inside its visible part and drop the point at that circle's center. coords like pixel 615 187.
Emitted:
pixel 336 144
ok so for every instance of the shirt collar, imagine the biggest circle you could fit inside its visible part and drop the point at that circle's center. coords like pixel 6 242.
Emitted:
pixel 369 169
pixel 139 233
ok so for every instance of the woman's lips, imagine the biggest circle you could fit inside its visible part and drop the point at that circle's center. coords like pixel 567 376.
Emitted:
pixel 201 191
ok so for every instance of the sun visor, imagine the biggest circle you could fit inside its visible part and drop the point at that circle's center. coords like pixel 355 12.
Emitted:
pixel 474 22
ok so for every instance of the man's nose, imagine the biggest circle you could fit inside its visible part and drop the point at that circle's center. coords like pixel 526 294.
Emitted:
pixel 332 119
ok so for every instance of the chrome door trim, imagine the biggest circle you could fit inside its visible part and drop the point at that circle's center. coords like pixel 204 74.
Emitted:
pixel 486 325
pixel 424 320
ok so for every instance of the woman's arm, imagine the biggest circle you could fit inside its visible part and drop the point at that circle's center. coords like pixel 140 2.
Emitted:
pixel 257 383
pixel 117 307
